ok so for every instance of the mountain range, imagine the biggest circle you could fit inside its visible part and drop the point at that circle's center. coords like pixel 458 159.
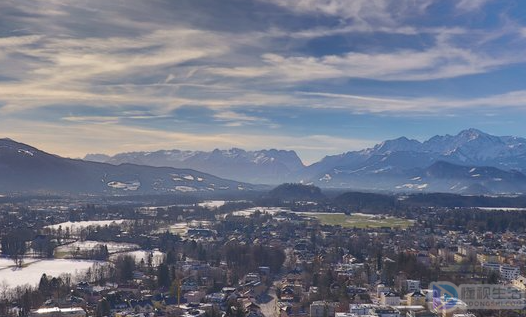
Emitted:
pixel 258 167
pixel 470 162
pixel 25 169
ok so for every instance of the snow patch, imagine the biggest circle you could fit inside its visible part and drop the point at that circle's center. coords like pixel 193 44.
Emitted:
pixel 128 186
pixel 185 189
pixel 26 152
pixel 84 224
pixel 413 186
pixel 326 178
pixel 31 274
pixel 113 247
pixel 212 203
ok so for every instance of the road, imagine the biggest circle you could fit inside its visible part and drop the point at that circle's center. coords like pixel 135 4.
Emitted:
pixel 268 302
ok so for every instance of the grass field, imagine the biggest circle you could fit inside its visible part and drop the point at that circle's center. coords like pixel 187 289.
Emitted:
pixel 362 221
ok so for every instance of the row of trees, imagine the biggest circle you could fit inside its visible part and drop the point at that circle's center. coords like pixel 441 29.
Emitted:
pixel 14 245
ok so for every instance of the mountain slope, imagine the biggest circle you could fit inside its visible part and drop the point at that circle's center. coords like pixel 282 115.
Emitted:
pixel 401 164
pixel 296 192
pixel 396 164
pixel 265 167
pixel 25 169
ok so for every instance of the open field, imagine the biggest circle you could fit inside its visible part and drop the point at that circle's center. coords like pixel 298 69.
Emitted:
pixel 78 225
pixel 139 255
pixel 113 247
pixel 32 271
pixel 362 221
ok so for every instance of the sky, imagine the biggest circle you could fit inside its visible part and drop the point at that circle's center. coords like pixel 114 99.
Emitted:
pixel 316 76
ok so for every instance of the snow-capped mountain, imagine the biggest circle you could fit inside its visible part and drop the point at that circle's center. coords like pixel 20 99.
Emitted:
pixel 395 164
pixel 258 167
pixel 442 163
pixel 25 169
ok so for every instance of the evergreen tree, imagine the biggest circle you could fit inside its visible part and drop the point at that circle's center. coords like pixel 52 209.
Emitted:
pixel 163 276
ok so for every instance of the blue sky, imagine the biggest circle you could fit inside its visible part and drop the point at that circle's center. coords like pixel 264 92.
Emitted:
pixel 317 76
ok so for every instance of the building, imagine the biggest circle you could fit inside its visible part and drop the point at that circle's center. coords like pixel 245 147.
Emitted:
pixel 387 312
pixel 380 289
pixel 390 299
pixel 346 315
pixel 416 298
pixel 506 272
pixel 59 312
pixel 487 257
pixel 422 314
pixel 323 309
pixel 361 309
pixel 412 285
pixel 460 258
pixel 509 272
pixel 520 283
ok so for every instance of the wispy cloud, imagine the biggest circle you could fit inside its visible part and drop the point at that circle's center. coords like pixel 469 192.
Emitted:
pixel 441 61
pixel 363 11
pixel 81 66
pixel 471 4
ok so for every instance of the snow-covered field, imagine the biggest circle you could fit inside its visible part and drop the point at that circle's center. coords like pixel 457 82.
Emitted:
pixel 113 247
pixel 185 189
pixel 33 272
pixel 139 255
pixel 265 210
pixel 181 228
pixel 84 224
pixel 125 186
pixel 502 208
pixel 212 203
pixel 5 263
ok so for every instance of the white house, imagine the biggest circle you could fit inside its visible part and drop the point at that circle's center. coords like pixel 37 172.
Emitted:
pixel 390 299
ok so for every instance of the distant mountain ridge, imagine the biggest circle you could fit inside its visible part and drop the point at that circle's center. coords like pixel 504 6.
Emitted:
pixel 258 167
pixel 409 165
pixel 401 164
pixel 25 169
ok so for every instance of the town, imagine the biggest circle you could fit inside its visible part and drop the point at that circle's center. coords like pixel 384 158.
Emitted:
pixel 240 258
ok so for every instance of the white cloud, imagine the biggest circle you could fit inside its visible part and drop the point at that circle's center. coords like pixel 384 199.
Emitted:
pixel 111 56
pixel 361 11
pixel 166 65
pixel 18 41
pixel 417 105
pixel 467 5
pixel 441 61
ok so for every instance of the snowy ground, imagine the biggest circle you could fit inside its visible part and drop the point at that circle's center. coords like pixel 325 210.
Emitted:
pixel 84 224
pixel 139 255
pixel 5 263
pixel 128 186
pixel 181 228
pixel 113 247
pixel 264 210
pixel 501 208
pixel 33 272
pixel 212 203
